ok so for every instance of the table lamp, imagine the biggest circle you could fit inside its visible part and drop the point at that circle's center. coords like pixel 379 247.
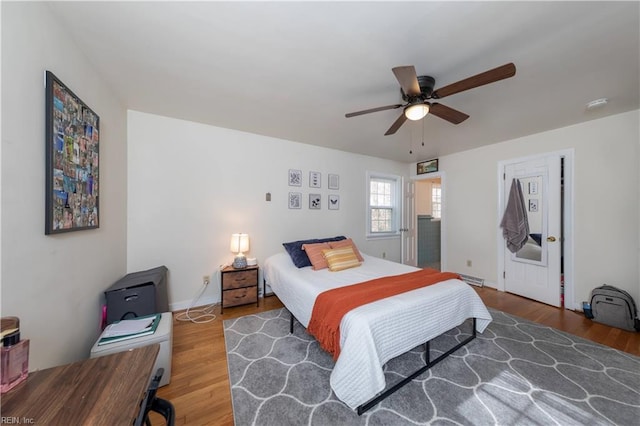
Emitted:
pixel 239 244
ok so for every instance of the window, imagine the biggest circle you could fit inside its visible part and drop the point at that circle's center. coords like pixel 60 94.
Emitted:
pixel 436 201
pixel 383 210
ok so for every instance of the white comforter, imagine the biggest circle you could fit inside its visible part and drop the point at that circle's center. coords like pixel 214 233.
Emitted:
pixel 374 333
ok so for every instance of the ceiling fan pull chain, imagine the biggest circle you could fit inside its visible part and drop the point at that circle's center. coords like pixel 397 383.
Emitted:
pixel 410 144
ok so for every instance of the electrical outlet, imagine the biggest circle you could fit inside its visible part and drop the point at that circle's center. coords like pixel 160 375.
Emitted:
pixel 205 280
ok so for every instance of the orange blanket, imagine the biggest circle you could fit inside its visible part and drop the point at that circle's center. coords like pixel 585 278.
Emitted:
pixel 331 305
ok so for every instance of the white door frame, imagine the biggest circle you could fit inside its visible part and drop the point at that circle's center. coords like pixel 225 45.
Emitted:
pixel 443 218
pixel 408 234
pixel 568 222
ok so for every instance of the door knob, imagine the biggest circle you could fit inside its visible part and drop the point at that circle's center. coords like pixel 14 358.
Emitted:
pixel 551 239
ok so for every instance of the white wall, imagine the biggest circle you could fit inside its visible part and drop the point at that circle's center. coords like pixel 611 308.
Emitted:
pixel 190 186
pixel 606 183
pixel 55 283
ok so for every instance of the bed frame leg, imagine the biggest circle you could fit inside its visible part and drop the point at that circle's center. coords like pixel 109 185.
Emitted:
pixel 291 319
pixel 375 400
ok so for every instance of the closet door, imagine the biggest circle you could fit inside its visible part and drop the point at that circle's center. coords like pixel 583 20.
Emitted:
pixel 534 271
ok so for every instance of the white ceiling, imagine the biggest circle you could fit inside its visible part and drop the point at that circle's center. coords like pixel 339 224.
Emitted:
pixel 291 70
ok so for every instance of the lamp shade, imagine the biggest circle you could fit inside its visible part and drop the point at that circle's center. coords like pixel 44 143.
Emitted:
pixel 416 111
pixel 239 243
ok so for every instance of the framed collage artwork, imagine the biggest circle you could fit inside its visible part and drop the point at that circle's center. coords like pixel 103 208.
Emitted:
pixel 72 161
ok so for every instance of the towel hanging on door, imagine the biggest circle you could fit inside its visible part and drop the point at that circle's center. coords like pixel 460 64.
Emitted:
pixel 515 224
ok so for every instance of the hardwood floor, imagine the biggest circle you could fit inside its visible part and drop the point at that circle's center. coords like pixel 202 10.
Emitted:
pixel 199 388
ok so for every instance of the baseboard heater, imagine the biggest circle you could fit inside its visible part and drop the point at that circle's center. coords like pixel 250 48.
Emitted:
pixel 479 282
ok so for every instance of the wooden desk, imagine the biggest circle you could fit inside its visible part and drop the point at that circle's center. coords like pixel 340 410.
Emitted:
pixel 99 391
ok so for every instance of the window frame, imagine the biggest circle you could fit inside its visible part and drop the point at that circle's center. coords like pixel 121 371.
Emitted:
pixel 438 187
pixel 396 205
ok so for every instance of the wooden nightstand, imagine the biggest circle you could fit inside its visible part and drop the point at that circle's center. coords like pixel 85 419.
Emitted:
pixel 238 286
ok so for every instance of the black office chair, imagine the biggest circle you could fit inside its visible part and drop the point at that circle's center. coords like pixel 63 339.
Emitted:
pixel 153 403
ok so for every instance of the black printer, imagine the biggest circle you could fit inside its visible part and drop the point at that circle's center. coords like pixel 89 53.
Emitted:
pixel 138 294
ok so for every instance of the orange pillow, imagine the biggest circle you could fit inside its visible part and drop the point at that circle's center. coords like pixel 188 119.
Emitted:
pixel 314 253
pixel 347 243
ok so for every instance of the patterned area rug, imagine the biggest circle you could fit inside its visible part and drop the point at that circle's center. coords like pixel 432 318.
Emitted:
pixel 515 373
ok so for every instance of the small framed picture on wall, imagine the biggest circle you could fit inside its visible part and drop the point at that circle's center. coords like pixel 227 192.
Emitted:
pixel 315 180
pixel 314 201
pixel 334 202
pixel 334 181
pixel 295 177
pixel 295 200
pixel 428 166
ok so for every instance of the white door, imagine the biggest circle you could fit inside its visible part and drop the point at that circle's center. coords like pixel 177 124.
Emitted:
pixel 534 271
pixel 408 227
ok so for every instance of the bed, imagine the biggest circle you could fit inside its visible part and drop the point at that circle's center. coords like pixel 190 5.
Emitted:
pixel 372 334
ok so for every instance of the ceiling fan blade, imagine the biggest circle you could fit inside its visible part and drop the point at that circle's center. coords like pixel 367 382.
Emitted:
pixel 491 76
pixel 408 79
pixel 396 125
pixel 446 113
pixel 367 111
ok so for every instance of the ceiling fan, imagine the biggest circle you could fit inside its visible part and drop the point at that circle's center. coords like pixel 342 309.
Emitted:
pixel 417 90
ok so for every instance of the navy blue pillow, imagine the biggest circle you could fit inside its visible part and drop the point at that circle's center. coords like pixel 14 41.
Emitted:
pixel 537 238
pixel 299 256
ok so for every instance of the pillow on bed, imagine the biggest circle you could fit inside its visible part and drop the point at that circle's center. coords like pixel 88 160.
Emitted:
pixel 537 238
pixel 314 252
pixel 341 258
pixel 298 256
pixel 347 243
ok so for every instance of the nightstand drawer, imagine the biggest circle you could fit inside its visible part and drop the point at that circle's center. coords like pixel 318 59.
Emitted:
pixel 239 279
pixel 238 286
pixel 240 296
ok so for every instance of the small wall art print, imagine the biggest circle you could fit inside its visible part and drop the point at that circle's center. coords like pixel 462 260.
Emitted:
pixel 334 202
pixel 72 161
pixel 428 166
pixel 334 181
pixel 295 200
pixel 314 201
pixel 295 177
pixel 315 179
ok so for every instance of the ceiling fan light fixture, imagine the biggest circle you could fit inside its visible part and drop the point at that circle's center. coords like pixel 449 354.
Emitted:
pixel 416 111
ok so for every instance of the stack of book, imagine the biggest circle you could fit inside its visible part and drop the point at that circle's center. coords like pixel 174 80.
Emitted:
pixel 130 329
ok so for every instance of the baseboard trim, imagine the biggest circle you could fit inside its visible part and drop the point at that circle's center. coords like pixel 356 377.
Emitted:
pixel 203 301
